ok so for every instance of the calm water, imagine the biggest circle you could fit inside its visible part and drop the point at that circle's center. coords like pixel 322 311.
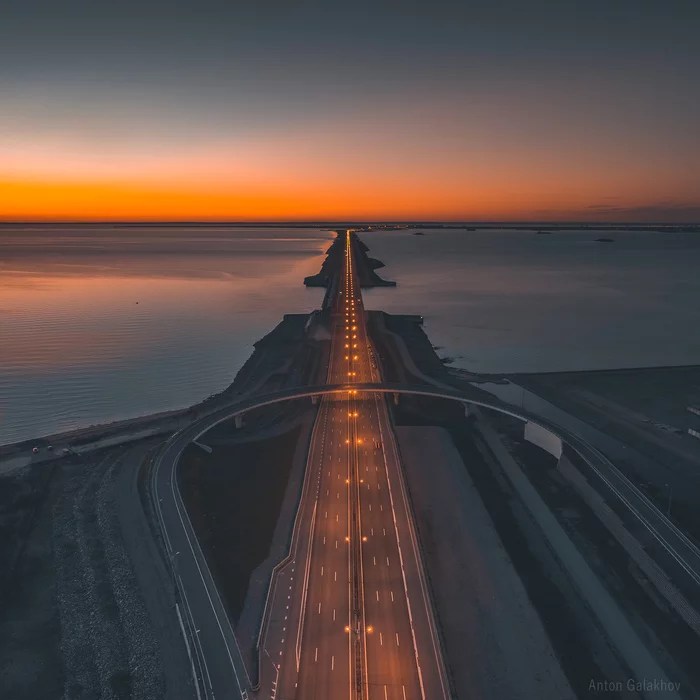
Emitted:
pixel 76 349
pixel 515 301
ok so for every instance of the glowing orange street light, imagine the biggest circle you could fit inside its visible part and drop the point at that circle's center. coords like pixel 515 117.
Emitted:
pixel 364 539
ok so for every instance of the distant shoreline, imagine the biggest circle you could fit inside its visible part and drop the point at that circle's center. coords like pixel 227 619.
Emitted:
pixel 368 226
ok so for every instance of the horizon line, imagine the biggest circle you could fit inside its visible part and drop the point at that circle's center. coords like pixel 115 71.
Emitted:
pixel 335 223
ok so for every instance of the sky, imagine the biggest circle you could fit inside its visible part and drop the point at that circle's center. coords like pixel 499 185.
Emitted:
pixel 279 111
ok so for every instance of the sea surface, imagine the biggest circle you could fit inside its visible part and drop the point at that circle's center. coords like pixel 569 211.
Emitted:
pixel 518 301
pixel 98 325
pixel 101 324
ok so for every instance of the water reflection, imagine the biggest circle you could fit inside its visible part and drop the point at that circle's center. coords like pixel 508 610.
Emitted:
pixel 100 326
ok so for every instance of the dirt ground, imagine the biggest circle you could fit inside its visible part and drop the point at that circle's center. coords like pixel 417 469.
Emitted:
pixel 233 497
pixel 577 643
pixel 495 641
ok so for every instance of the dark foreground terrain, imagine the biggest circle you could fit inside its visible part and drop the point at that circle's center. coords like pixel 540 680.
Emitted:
pixel 74 621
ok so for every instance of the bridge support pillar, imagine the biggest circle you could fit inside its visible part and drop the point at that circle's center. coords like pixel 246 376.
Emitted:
pixel 239 421
pixel 314 399
pixel 396 398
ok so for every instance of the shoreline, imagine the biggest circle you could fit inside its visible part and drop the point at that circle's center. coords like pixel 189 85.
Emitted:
pixel 364 226
pixel 266 361
pixel 101 431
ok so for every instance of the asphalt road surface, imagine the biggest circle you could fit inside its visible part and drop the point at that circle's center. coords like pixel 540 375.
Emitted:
pixel 366 629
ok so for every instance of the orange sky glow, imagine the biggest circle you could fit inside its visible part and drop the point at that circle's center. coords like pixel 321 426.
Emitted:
pixel 467 112
pixel 457 164
pixel 119 200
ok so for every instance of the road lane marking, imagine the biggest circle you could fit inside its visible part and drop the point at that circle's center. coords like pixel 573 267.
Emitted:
pixel 332 662
pixel 377 595
pixel 333 614
pixel 397 639
pixel 321 573
pixel 316 655
pixel 381 639
pixel 387 561
pixel 319 608
pixel 392 596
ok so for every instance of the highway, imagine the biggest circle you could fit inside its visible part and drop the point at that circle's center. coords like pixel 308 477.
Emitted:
pixel 364 625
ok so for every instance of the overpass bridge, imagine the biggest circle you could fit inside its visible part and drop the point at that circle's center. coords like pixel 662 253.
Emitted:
pixel 675 542
pixel 215 654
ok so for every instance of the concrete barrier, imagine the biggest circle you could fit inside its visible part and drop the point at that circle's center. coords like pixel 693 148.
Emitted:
pixel 541 437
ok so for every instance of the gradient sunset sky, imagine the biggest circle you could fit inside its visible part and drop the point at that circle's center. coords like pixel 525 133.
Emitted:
pixel 277 110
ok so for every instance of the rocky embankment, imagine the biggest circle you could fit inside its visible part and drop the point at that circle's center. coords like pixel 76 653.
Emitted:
pixel 332 265
pixel 75 623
